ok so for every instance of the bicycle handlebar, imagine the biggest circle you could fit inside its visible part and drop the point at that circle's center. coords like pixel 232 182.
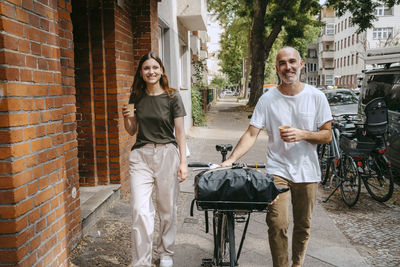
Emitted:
pixel 236 164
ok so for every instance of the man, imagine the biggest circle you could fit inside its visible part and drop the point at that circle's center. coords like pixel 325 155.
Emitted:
pixel 291 154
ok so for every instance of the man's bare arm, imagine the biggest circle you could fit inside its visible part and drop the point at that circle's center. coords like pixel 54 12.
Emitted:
pixel 245 143
pixel 322 136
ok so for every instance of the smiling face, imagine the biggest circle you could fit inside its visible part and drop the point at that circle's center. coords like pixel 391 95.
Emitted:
pixel 151 71
pixel 289 65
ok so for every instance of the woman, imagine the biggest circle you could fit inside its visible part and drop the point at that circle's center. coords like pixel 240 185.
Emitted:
pixel 158 159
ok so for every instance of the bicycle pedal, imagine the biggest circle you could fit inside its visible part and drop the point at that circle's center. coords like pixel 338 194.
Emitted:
pixel 207 262
pixel 240 219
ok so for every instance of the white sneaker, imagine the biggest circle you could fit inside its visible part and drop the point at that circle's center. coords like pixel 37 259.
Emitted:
pixel 166 262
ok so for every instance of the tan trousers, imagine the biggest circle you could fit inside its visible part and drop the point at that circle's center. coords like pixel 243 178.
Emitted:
pixel 153 166
pixel 303 197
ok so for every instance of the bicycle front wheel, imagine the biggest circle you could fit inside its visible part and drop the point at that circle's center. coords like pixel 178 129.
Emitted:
pixel 231 238
pixel 324 160
pixel 379 181
pixel 350 184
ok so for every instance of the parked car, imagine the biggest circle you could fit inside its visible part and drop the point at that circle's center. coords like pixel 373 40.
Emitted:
pixel 342 101
pixel 385 83
pixel 267 86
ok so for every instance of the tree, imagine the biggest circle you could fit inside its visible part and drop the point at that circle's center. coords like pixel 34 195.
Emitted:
pixel 268 19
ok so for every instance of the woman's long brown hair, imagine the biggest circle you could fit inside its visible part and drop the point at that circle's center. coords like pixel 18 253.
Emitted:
pixel 138 88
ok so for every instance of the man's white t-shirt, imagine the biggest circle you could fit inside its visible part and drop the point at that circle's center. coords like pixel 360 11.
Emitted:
pixel 308 110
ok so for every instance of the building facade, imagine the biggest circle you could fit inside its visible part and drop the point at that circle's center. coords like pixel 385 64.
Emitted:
pixel 66 68
pixel 342 49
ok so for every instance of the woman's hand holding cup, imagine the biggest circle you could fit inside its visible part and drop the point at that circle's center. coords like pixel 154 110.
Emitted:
pixel 128 110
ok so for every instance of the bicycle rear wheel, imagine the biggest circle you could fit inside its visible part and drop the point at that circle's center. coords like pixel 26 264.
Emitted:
pixel 350 184
pixel 379 181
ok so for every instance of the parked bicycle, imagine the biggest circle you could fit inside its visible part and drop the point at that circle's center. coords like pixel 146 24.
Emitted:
pixel 338 168
pixel 227 212
pixel 358 153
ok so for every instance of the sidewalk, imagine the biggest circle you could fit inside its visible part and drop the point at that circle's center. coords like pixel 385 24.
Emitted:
pixel 107 243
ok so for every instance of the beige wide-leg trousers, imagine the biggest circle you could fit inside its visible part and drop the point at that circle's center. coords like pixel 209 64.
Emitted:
pixel 153 166
pixel 303 197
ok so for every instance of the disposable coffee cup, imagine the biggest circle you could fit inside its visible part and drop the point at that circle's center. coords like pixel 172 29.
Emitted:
pixel 131 108
pixel 281 128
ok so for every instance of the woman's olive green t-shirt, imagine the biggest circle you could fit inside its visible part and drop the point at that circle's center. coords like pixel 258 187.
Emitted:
pixel 155 116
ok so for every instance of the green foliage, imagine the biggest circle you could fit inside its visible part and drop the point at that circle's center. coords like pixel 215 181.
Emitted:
pixel 198 115
pixel 363 11
pixel 218 82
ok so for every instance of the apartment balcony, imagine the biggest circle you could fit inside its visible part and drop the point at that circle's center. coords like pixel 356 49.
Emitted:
pixel 327 54
pixel 326 38
pixel 193 14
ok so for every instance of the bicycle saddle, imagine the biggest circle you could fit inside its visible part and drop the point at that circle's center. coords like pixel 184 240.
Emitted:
pixel 223 147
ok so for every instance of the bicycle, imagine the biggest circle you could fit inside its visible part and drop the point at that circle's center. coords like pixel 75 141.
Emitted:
pixel 225 213
pixel 338 166
pixel 366 156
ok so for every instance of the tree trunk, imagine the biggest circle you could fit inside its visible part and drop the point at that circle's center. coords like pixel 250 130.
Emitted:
pixel 247 67
pixel 257 76
pixel 258 52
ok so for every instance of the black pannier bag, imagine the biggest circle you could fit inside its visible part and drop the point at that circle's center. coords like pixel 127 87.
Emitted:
pixel 376 113
pixel 235 189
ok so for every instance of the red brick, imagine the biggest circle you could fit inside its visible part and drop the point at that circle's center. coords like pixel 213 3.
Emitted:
pixel 29 133
pixel 31 62
pixel 26 75
pixel 13 58
pixel 28 104
pixel 40 144
pixel 9 74
pixel 16 241
pixel 11 26
pixel 14 211
pixel 22 15
pixel 13 119
pixel 7 10
pixel 44 209
pixel 34 34
pixel 44 196
pixel 36 48
pixel 34 118
pixel 9 182
pixel 24 46
pixel 14 226
pixel 10 42
pixel 34 243
pixel 31 161
pixel 10 104
pixel 33 188
pixel 33 216
pixel 13 196
pixel 7 167
pixel 14 255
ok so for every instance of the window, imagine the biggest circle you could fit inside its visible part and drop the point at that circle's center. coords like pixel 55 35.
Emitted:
pixel 341 25
pixel 383 85
pixel 335 29
pixel 329 29
pixel 328 79
pixel 357 58
pixel 341 44
pixel 352 59
pixel 345 24
pixel 348 60
pixel 352 39
pixel 348 41
pixel 344 42
pixel 357 37
pixel 382 33
pixel 383 11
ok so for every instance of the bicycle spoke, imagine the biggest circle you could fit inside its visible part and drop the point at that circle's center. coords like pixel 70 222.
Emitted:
pixel 379 181
pixel 350 181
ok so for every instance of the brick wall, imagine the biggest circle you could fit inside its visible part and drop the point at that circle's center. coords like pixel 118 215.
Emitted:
pixel 39 219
